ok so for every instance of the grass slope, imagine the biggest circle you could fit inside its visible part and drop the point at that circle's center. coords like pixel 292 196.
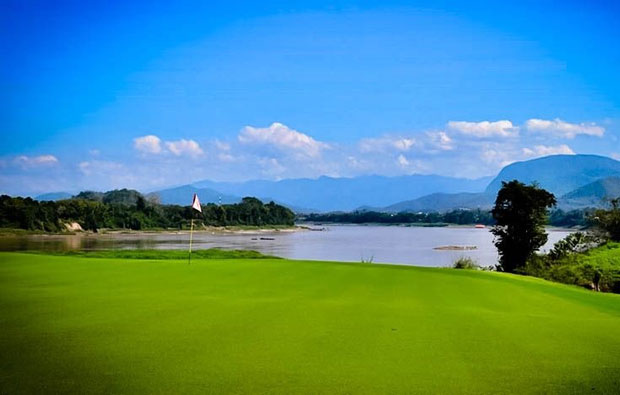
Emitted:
pixel 111 325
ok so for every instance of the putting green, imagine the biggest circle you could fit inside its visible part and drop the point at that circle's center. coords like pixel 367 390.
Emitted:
pixel 107 325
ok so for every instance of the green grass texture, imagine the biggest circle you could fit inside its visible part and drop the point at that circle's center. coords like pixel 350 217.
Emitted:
pixel 80 324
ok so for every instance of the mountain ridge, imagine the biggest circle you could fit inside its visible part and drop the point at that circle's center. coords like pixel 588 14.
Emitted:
pixel 563 175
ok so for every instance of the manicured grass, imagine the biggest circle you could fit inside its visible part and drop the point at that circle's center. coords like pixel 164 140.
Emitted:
pixel 74 324
pixel 211 253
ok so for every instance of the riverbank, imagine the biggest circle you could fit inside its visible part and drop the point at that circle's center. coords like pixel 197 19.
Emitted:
pixel 203 229
pixel 82 325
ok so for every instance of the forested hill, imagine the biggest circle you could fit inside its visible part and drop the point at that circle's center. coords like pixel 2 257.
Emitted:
pixel 559 174
pixel 127 209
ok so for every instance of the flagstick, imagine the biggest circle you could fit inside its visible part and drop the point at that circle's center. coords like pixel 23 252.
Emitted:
pixel 191 234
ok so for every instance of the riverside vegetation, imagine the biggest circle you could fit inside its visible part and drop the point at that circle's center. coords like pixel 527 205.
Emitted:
pixel 128 209
pixel 590 260
pixel 572 218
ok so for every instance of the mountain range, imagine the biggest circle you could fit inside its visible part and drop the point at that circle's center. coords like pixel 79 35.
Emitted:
pixel 577 181
pixel 328 193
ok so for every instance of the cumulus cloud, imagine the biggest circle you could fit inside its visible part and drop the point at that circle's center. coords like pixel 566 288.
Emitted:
pixel 149 144
pixel 498 157
pixel 271 167
pixel 560 128
pixel 28 162
pixel 485 129
pixel 184 147
pixel 387 143
pixel 544 150
pixel 431 142
pixel 283 138
pixel 440 140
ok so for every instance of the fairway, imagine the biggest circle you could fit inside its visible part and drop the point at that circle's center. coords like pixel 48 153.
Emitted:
pixel 111 325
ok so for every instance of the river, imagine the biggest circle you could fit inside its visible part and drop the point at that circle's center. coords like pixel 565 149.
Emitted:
pixel 354 243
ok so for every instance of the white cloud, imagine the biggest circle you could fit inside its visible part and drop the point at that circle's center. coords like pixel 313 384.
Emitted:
pixel 225 157
pixel 485 129
pixel 28 162
pixel 271 167
pixel 412 166
pixel 497 157
pixel 89 168
pixel 387 143
pixel 283 138
pixel 184 147
pixel 564 129
pixel 222 146
pixel 149 144
pixel 544 150
pixel 440 140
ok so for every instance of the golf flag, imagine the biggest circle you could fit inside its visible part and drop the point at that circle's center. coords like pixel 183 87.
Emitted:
pixel 196 204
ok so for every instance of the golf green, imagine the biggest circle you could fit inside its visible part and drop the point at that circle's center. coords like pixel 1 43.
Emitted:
pixel 71 324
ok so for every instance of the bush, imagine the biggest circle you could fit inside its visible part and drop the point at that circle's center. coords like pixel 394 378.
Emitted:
pixel 465 263
pixel 573 243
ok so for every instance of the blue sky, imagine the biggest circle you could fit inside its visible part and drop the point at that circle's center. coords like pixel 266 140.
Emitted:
pixel 144 95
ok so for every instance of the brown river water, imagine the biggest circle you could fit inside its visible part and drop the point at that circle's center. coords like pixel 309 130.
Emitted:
pixel 353 243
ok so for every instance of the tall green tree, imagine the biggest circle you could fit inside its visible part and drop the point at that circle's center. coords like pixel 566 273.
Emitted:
pixel 520 213
pixel 609 220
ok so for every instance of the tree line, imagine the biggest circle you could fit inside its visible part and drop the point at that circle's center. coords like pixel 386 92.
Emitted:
pixel 127 209
pixel 579 218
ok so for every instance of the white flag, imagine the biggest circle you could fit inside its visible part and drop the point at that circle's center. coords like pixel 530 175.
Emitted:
pixel 196 204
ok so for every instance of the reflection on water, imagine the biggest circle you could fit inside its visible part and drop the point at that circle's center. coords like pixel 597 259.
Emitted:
pixel 385 244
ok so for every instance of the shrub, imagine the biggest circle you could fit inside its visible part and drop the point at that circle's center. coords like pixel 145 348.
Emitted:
pixel 465 263
pixel 575 242
pixel 597 269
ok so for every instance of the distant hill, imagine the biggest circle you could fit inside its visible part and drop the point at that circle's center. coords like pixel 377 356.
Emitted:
pixel 559 174
pixel 444 202
pixel 127 197
pixel 594 194
pixel 183 196
pixel 90 195
pixel 577 181
pixel 330 194
pixel 53 196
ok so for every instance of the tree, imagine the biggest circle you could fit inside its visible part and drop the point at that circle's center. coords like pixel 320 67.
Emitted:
pixel 520 213
pixel 609 220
